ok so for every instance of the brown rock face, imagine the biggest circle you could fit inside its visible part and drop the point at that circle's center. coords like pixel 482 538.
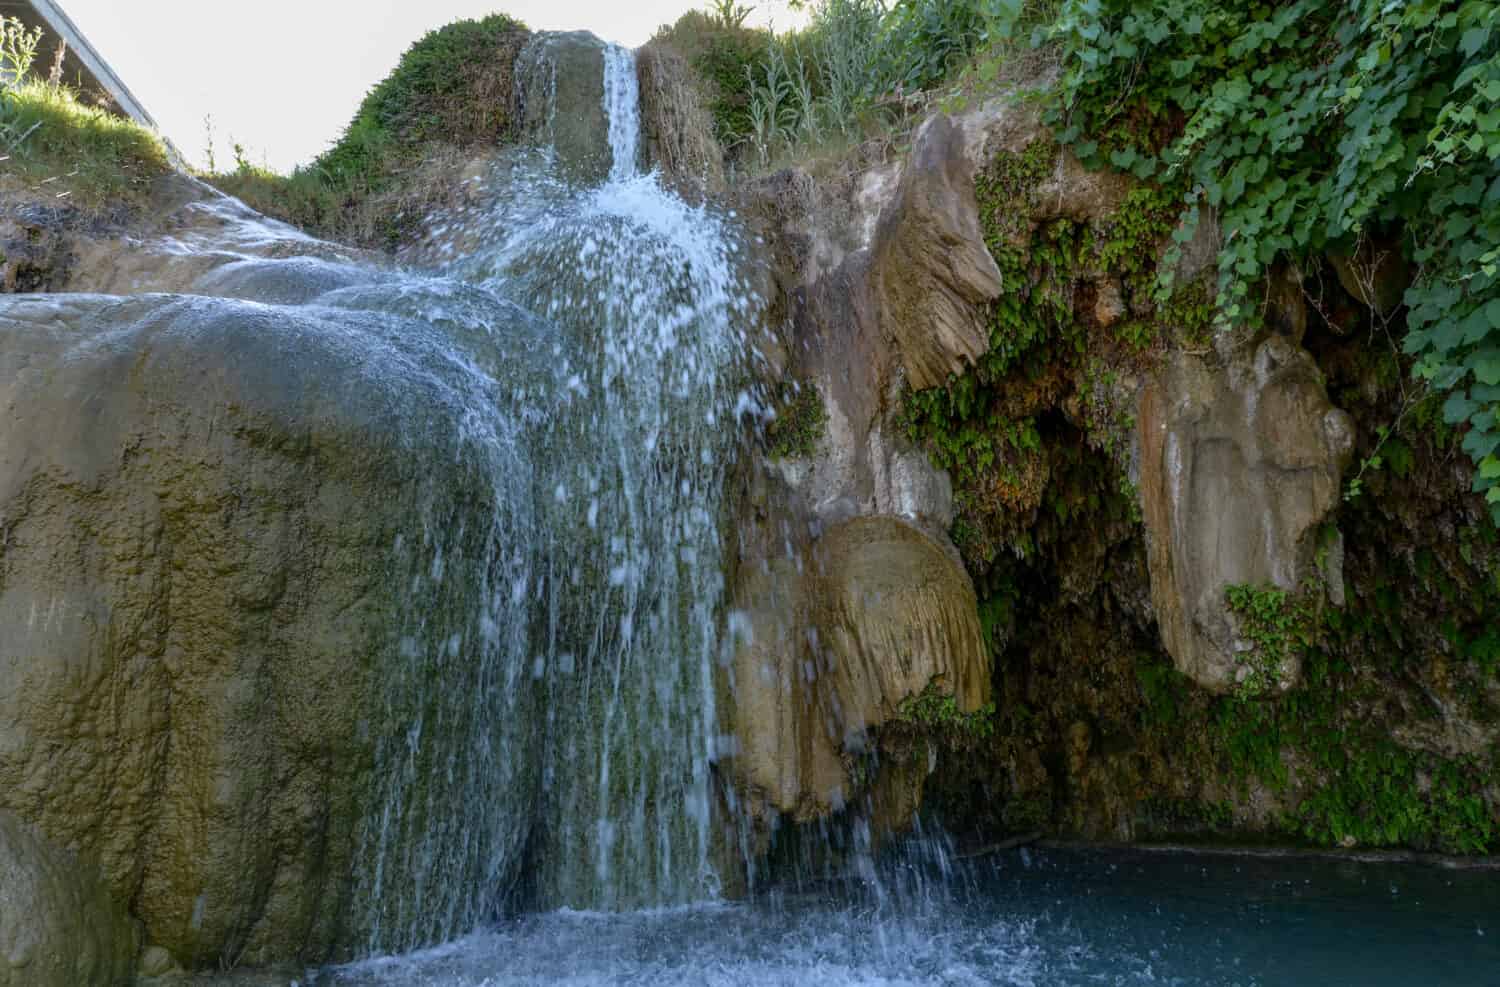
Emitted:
pixel 560 101
pixel 1239 466
pixel 59 927
pixel 876 613
pixel 676 128
pixel 208 515
pixel 930 267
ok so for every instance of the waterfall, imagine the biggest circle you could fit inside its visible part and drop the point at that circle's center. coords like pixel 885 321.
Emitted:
pixel 622 104
pixel 597 617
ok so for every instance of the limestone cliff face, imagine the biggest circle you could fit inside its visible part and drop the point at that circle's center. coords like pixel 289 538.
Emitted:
pixel 1143 469
pixel 211 514
pixel 1240 465
pixel 834 641
pixel 59 925
pixel 852 599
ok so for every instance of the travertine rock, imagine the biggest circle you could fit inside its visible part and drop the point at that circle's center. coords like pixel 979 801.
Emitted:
pixel 930 269
pixel 59 925
pixel 875 614
pixel 1240 464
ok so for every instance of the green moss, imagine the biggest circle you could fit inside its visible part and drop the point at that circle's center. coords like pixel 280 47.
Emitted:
pixel 1163 691
pixel 938 712
pixel 799 424
pixel 1279 626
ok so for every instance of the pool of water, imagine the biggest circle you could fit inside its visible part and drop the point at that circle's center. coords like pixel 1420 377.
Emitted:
pixel 1027 917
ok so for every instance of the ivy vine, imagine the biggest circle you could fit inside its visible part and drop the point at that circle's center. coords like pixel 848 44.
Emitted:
pixel 1308 126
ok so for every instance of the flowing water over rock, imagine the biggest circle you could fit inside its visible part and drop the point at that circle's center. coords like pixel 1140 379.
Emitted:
pixel 475 656
pixel 627 434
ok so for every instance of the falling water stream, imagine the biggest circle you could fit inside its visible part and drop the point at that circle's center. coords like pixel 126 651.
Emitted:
pixel 623 421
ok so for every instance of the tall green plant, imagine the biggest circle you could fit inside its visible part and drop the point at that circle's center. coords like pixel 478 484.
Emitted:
pixel 1306 126
pixel 17 50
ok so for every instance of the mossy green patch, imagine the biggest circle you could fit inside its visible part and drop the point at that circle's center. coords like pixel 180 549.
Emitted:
pixel 1279 626
pixel 937 712
pixel 800 422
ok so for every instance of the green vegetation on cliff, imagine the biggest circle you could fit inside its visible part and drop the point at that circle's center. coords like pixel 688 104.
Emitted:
pixel 1312 127
pixel 859 69
pixel 1349 155
pixel 451 92
pixel 62 148
pixel 800 422
pixel 1054 336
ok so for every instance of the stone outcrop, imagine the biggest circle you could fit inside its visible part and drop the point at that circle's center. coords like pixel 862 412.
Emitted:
pixel 930 270
pixel 59 925
pixel 851 598
pixel 213 528
pixel 1240 464
pixel 832 644
pixel 675 126
pixel 560 102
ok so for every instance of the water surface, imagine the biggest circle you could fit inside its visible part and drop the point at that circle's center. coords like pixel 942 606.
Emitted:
pixel 1030 917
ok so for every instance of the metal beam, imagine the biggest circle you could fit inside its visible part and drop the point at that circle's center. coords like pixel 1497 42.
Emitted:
pixel 62 26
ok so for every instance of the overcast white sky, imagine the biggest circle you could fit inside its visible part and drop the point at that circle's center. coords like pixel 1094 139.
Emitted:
pixel 284 76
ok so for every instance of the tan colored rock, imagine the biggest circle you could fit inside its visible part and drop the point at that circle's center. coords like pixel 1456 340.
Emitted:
pixel 59 926
pixel 1240 464
pixel 895 615
pixel 1109 303
pixel 205 508
pixel 675 125
pixel 930 269
pixel 877 614
pixel 784 748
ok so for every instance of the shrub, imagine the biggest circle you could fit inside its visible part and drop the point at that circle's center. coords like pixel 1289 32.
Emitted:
pixel 452 88
pixel 1310 127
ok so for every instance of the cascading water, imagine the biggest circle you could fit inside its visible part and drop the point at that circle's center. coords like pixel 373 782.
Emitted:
pixel 605 548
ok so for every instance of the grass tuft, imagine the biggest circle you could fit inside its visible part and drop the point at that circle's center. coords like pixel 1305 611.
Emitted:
pixel 57 146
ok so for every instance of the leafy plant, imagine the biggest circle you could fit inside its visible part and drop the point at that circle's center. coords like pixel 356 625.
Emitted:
pixel 1278 624
pixel 1307 125
pixel 17 51
pixel 938 711
pixel 730 14
pixel 796 430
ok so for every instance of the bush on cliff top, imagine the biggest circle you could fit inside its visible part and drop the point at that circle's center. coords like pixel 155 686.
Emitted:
pixel 451 88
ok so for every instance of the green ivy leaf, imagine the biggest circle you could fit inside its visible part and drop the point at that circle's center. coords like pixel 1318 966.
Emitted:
pixel 1486 366
pixel 1458 408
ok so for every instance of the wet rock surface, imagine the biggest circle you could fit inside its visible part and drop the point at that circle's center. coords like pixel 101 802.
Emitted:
pixel 59 924
pixel 204 504
pixel 833 644
pixel 1240 465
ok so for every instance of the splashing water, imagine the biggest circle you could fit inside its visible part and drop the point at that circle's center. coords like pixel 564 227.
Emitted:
pixel 626 435
pixel 1021 919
